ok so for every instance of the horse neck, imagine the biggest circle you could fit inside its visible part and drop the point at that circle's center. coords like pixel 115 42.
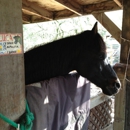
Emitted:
pixel 54 59
pixel 65 51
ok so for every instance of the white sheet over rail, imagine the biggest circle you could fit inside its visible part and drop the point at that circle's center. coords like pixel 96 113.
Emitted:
pixel 62 103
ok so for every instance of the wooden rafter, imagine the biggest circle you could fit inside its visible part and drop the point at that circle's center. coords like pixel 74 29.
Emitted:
pixel 118 2
pixel 42 10
pixel 87 2
pixel 122 100
pixel 36 19
pixel 101 7
pixel 25 22
pixel 36 8
pixel 89 9
pixel 25 11
pixel 64 14
pixel 109 25
pixel 72 6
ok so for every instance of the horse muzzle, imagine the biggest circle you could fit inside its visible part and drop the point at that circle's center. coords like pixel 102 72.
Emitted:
pixel 113 88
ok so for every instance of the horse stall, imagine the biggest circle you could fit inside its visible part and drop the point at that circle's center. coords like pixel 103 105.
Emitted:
pixel 12 86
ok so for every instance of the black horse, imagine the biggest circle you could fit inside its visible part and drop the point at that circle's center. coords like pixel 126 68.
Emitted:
pixel 85 53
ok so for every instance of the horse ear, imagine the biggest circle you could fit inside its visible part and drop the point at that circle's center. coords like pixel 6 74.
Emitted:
pixel 94 29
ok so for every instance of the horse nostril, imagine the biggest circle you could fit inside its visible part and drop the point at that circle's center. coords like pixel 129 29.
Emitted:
pixel 117 85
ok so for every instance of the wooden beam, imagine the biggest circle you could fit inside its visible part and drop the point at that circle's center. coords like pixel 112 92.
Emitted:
pixel 101 7
pixel 87 2
pixel 125 32
pixel 25 22
pixel 118 2
pixel 124 55
pixel 127 106
pixel 35 19
pixel 109 25
pixel 119 110
pixel 29 11
pixel 122 111
pixel 12 87
pixel 37 8
pixel 30 17
pixel 89 9
pixel 72 6
pixel 119 117
pixel 34 14
pixel 64 14
pixel 67 9
pixel 50 5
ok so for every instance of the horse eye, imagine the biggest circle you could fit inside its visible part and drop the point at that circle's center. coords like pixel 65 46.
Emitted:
pixel 101 57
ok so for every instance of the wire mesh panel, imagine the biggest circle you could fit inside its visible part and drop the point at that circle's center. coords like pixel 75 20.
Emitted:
pixel 100 116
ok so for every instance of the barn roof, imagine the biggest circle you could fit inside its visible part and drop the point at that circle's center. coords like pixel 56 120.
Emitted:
pixel 46 10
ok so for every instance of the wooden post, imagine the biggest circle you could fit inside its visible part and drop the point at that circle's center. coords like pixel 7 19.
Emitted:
pixel 109 25
pixel 122 105
pixel 119 118
pixel 12 88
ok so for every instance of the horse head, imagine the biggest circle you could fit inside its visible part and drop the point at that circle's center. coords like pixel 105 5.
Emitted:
pixel 93 64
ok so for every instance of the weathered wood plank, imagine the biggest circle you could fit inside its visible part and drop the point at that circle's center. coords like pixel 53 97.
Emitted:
pixel 53 10
pixel 127 109
pixel 64 14
pixel 30 17
pixel 72 6
pixel 84 2
pixel 119 118
pixel 118 2
pixel 124 56
pixel 12 88
pixel 125 32
pixel 29 11
pixel 41 7
pixel 121 105
pixel 101 7
pixel 36 19
pixel 109 25
pixel 88 9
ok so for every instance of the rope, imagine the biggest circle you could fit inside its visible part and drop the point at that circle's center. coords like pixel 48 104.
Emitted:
pixel 8 121
pixel 127 63
pixel 25 121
